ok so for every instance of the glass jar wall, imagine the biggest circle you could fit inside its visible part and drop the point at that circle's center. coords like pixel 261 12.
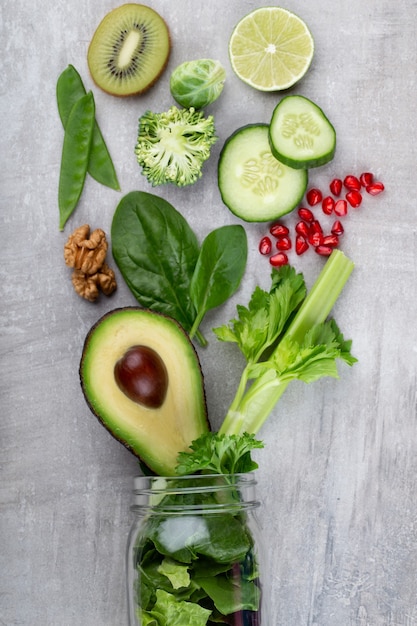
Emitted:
pixel 195 553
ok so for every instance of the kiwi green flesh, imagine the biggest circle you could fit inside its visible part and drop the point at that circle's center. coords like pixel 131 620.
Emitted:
pixel 129 50
pixel 154 435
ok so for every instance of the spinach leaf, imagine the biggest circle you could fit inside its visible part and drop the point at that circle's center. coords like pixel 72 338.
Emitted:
pixel 219 269
pixel 230 596
pixel 163 265
pixel 156 252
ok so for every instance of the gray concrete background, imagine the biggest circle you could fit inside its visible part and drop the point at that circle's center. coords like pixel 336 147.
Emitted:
pixel 337 475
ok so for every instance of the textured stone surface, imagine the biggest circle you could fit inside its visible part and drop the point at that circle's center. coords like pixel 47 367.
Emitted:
pixel 337 476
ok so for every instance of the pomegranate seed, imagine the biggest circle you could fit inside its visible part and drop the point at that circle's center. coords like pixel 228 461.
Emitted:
pixel 265 245
pixel 331 240
pixel 336 186
pixel 323 250
pixel 337 228
pixel 306 214
pixel 352 183
pixel 278 259
pixel 314 196
pixel 375 188
pixel 315 227
pixel 366 179
pixel 315 235
pixel 340 208
pixel 354 198
pixel 327 205
pixel 284 243
pixel 301 245
pixel 301 228
pixel 279 230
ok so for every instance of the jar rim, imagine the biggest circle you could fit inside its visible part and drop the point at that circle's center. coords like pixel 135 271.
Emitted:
pixel 149 491
pixel 191 481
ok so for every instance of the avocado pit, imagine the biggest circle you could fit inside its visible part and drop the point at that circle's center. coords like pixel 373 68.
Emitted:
pixel 142 376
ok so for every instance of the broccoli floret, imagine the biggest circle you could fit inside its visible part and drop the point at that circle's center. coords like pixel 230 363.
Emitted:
pixel 172 146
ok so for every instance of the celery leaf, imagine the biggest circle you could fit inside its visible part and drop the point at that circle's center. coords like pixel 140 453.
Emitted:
pixel 219 454
pixel 261 323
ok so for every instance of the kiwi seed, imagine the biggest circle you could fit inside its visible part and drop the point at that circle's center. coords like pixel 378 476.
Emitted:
pixel 129 50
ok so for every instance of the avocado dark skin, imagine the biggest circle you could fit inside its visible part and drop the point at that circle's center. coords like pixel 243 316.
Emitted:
pixel 141 377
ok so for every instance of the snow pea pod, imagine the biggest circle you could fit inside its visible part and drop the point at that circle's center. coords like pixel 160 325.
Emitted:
pixel 69 89
pixel 75 156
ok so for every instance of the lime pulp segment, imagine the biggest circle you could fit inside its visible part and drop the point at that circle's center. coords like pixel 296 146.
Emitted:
pixel 271 48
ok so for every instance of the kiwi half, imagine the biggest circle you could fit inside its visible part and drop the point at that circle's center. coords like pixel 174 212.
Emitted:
pixel 129 50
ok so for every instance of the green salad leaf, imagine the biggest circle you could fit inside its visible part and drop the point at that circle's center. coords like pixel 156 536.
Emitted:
pixel 219 269
pixel 168 610
pixel 165 267
pixel 229 596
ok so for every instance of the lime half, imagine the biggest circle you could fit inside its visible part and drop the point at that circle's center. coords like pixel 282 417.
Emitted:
pixel 271 49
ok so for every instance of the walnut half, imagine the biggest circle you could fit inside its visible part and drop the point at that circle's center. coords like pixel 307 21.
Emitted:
pixel 84 251
pixel 86 254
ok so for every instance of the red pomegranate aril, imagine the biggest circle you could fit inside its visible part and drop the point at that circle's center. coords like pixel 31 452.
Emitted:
pixel 328 205
pixel 324 250
pixel 301 228
pixel 315 227
pixel 375 188
pixel 301 245
pixel 352 183
pixel 354 198
pixel 284 243
pixel 314 196
pixel 337 228
pixel 330 240
pixel 306 214
pixel 315 235
pixel 279 230
pixel 336 186
pixel 341 208
pixel 265 245
pixel 367 178
pixel 278 259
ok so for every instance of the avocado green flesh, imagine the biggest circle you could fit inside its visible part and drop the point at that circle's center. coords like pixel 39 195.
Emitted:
pixel 154 435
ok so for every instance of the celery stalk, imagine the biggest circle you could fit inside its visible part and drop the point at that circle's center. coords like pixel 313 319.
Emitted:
pixel 252 405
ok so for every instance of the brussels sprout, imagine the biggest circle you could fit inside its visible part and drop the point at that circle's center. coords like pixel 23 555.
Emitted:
pixel 197 83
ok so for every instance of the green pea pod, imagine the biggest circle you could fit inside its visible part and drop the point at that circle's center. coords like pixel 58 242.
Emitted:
pixel 69 89
pixel 75 156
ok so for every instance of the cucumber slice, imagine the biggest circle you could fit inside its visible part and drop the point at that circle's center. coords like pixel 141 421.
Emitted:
pixel 253 184
pixel 300 134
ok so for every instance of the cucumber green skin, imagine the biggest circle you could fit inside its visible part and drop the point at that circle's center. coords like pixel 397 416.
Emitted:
pixel 257 215
pixel 298 163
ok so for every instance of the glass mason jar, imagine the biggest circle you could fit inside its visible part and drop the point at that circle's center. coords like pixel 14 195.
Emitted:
pixel 194 552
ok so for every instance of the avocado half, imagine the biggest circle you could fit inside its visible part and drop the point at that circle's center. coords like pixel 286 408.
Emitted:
pixel 154 434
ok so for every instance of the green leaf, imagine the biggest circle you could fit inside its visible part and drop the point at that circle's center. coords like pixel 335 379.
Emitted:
pixel 219 269
pixel 219 454
pixel 172 612
pixel 229 595
pixel 176 573
pixel 260 325
pixel 156 252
